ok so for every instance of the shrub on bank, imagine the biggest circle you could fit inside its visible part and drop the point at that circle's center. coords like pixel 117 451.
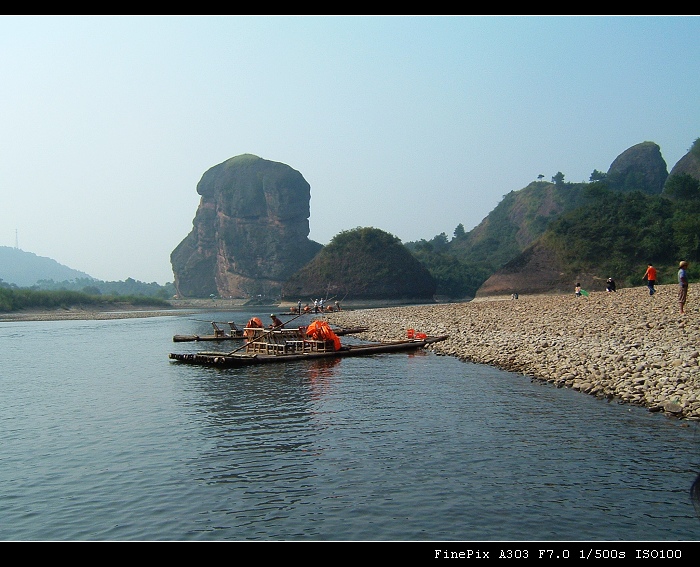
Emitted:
pixel 20 298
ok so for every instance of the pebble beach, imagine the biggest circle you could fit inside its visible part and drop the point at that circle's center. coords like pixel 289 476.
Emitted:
pixel 625 346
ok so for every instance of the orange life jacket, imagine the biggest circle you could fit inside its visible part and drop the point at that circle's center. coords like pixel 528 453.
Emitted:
pixel 321 331
pixel 255 322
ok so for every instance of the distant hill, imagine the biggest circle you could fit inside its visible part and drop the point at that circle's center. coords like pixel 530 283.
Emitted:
pixel 364 263
pixel 24 269
pixel 628 217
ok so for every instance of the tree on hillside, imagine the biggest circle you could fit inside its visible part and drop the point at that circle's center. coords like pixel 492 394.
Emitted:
pixel 695 148
pixel 558 179
pixel 683 187
pixel 459 231
pixel 440 242
pixel 454 277
pixel 597 176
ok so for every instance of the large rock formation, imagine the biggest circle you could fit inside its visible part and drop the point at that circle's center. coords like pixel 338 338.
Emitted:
pixel 250 231
pixel 639 168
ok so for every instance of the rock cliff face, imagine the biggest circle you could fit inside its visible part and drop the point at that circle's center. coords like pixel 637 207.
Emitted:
pixel 250 231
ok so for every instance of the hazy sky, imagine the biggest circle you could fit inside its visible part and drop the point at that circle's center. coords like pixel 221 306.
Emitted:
pixel 412 125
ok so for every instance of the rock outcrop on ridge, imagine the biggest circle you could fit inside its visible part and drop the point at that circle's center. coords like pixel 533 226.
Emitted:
pixel 250 231
pixel 689 164
pixel 639 168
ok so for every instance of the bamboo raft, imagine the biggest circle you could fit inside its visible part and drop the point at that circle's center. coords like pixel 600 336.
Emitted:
pixel 239 334
pixel 280 349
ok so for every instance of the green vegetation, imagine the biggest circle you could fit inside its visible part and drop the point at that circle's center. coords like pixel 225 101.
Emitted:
pixel 592 229
pixel 84 292
pixel 128 287
pixel 362 263
pixel 619 233
pixel 14 299
pixel 454 277
pixel 682 187
pixel 695 148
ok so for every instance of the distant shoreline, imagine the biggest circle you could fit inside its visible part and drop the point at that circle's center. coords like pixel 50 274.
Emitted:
pixel 178 307
pixel 79 314
pixel 183 307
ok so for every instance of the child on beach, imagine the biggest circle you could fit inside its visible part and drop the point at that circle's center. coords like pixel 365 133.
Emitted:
pixel 577 289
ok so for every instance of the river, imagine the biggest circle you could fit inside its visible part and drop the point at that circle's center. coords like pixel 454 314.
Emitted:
pixel 105 439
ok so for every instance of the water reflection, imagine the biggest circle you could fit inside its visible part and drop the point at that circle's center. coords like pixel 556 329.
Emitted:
pixel 321 374
pixel 253 417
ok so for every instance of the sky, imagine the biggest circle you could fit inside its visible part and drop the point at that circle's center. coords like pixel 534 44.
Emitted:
pixel 409 124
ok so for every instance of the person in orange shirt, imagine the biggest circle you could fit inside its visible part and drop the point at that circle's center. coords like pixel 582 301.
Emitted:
pixel 650 277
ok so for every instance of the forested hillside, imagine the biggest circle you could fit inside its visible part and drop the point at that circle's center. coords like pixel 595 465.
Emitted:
pixel 617 234
pixel 462 264
pixel 362 263
pixel 610 227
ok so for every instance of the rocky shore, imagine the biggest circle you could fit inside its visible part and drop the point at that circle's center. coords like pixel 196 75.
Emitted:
pixel 626 346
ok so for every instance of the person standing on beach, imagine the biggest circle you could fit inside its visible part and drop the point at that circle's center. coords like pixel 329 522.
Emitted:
pixel 682 286
pixel 650 277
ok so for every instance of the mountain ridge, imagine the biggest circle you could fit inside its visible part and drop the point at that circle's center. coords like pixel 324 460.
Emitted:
pixel 510 250
pixel 25 269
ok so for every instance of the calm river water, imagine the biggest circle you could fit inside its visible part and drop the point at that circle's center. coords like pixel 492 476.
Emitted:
pixel 104 438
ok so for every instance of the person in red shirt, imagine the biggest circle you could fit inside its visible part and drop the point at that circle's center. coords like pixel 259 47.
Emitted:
pixel 650 277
